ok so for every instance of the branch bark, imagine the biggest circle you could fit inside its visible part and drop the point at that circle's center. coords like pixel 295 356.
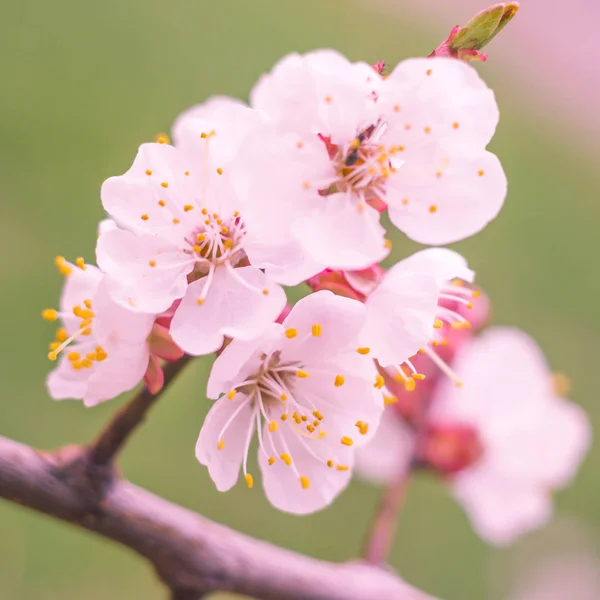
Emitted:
pixel 191 554
pixel 107 445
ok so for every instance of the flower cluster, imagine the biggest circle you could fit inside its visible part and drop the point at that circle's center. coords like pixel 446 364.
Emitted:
pixel 203 235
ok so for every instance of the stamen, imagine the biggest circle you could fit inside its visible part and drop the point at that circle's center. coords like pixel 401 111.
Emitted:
pixel 339 381
pixel 317 329
pixel 347 441
pixel 304 481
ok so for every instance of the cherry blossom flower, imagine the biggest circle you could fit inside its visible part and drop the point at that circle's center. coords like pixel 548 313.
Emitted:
pixel 105 349
pixel 311 394
pixel 344 143
pixel 184 235
pixel 533 440
pixel 504 439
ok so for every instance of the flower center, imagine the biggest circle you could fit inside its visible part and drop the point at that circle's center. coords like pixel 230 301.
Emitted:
pixel 362 165
pixel 216 241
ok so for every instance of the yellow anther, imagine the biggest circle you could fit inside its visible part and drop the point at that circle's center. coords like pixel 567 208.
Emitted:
pixel 207 222
pixel 317 330
pixel 284 417
pixel 387 400
pixel 409 384
pixel 80 262
pixel 342 467
pixel 52 355
pixel 61 334
pixel 231 394
pixel 302 374
pixel 561 384
pixel 481 173
pixel 427 129
pixel 187 173
pixel 354 144
pixel 304 481
pixel 188 207
pixel 271 460
pixel 469 305
pixel 265 292
pixel 236 214
pixel 164 184
pixel 310 428
pixel 162 138
pixel 438 324
pixel 286 458
pixel 338 381
pixel 316 423
pixel 317 414
pixel 204 211
pixel 228 244
pixel 476 293
pixel 200 301
pixel 49 314
pixel 283 397
pixel 304 418
pixel 221 445
pixel 330 464
pixel 200 238
pixel 176 221
pixel 249 480
pixel 224 229
pixel 363 428
pixel 418 376
pixel 387 244
pixel 101 355
pixel 215 215
pixel 363 351
pixel 455 125
pixel 148 172
pixel 91 356
pixel 196 249
pixel 73 356
pixel 379 381
pixel 438 174
pixel 347 441
pixel 291 333
pixel 433 209
pixel 87 303
pixel 144 217
pixel 220 171
pixel 273 426
pixel 152 263
pixel 54 345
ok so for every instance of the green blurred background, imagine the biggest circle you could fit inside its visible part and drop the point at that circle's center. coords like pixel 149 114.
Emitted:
pixel 84 83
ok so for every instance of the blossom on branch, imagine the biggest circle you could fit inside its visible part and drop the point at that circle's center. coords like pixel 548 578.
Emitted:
pixel 310 393
pixel 503 440
pixel 105 349
pixel 184 235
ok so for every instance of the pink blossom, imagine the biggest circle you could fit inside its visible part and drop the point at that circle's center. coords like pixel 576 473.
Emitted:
pixel 533 440
pixel 343 142
pixel 185 234
pixel 105 348
pixel 504 439
pixel 309 393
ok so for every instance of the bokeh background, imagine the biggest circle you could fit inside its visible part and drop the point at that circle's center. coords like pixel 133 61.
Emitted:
pixel 84 83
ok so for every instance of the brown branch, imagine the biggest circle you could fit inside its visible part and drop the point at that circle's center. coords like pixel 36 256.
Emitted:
pixel 191 554
pixel 106 446
pixel 383 529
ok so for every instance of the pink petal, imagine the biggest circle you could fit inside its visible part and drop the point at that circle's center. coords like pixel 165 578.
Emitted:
pixel 437 93
pixel 224 465
pixel 80 285
pixel 450 197
pixel 121 371
pixel 389 453
pixel 340 320
pixel 229 118
pixel 342 235
pixel 443 263
pixel 239 304
pixel 145 273
pixel 64 382
pixel 282 483
pixel 400 316
pixel 500 508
